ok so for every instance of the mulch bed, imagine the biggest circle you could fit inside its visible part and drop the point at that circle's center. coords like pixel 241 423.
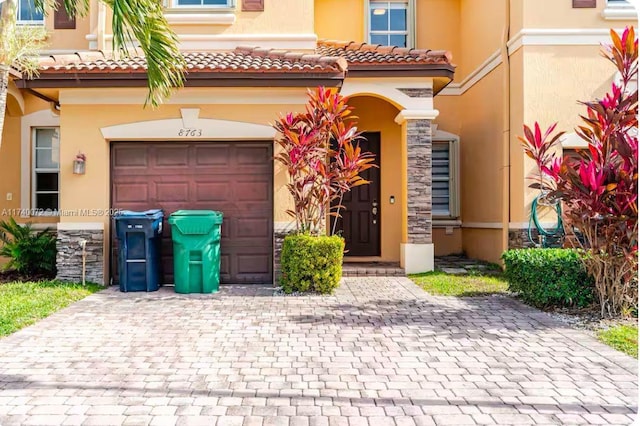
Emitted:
pixel 588 318
pixel 13 276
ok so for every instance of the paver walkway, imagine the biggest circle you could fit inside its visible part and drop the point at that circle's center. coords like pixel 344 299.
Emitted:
pixel 379 352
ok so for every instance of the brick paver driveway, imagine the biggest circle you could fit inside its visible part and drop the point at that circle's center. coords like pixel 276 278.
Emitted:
pixel 380 352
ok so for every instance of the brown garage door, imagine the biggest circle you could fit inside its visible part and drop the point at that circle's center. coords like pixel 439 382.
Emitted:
pixel 235 178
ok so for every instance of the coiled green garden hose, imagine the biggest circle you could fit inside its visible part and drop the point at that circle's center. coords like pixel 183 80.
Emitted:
pixel 557 232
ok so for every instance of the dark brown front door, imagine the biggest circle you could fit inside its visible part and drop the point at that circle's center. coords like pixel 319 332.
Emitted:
pixel 233 177
pixel 360 222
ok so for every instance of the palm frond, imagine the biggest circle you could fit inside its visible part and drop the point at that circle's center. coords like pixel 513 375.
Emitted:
pixel 143 21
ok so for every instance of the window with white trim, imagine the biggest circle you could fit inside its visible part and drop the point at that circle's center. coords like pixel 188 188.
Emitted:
pixel 203 3
pixel 46 169
pixel 28 14
pixel 445 175
pixel 390 22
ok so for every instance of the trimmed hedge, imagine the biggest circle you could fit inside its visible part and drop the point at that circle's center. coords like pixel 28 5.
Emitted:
pixel 548 277
pixel 311 263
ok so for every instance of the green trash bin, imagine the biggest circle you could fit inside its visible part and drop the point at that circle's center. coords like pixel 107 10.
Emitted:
pixel 196 250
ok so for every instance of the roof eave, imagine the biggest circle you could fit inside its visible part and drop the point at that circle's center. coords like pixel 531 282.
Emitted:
pixel 441 73
pixel 200 79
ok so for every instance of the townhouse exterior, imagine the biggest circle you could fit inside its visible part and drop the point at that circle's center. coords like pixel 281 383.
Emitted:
pixel 441 88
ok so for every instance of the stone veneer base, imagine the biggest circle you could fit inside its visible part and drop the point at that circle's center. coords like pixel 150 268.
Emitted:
pixel 69 258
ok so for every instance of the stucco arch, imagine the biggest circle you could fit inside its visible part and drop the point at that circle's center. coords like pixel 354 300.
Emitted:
pixel 390 90
pixel 15 101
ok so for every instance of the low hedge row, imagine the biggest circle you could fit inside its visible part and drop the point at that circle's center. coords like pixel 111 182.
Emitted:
pixel 548 277
pixel 311 263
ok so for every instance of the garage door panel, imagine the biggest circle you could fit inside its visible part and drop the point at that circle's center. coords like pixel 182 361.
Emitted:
pixel 212 191
pixel 217 155
pixel 252 155
pixel 235 178
pixel 252 263
pixel 171 157
pixel 131 192
pixel 175 191
pixel 252 228
pixel 252 191
pixel 130 157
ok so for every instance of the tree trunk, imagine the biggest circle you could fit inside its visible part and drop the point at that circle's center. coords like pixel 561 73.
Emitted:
pixel 8 19
pixel 4 88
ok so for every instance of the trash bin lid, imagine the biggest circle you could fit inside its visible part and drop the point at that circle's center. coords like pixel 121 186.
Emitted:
pixel 196 213
pixel 149 214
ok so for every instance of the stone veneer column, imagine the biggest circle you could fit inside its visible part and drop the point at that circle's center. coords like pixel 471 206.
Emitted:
pixel 69 258
pixel 417 250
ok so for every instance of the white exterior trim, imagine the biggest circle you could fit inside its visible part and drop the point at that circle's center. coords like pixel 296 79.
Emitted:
pixel 530 37
pixel 42 118
pixel 482 225
pixel 187 95
pixel 189 127
pixel 80 226
pixel 572 140
pixel 387 88
pixel 209 42
pixel 619 12
pixel 445 223
pixel 182 18
pixel 407 114
pixel 417 258
pixel 284 226
pixel 457 89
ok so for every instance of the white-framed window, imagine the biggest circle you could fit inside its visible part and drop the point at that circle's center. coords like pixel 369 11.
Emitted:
pixel 391 22
pixel 28 14
pixel 619 10
pixel 46 170
pixel 446 179
pixel 224 4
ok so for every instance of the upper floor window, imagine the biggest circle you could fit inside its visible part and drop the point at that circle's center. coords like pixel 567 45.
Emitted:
pixel 390 23
pixel 28 13
pixel 202 3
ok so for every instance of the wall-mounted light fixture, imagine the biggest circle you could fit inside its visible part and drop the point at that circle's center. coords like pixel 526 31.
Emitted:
pixel 79 164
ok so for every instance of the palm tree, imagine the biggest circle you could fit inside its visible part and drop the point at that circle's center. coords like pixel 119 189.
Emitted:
pixel 133 20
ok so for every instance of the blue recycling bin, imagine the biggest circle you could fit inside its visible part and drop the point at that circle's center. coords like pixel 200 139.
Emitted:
pixel 139 235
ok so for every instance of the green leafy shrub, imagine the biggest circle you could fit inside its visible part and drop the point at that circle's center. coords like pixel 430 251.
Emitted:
pixel 311 263
pixel 30 253
pixel 548 277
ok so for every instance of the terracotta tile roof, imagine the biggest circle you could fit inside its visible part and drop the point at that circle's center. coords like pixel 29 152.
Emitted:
pixel 372 55
pixel 242 59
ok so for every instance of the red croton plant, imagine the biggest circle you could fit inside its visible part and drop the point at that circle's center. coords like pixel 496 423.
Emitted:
pixel 320 172
pixel 599 188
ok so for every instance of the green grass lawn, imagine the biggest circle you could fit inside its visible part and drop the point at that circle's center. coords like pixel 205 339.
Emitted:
pixel 622 337
pixel 474 284
pixel 23 303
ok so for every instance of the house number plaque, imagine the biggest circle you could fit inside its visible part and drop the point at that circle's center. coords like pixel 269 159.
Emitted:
pixel 189 132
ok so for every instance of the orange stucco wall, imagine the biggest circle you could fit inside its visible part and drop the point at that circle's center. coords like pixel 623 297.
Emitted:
pixel 376 115
pixel 9 152
pixel 346 25
pixel 444 243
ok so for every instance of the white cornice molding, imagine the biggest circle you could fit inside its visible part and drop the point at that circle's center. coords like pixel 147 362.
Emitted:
pixel 187 95
pixel 623 12
pixel 409 114
pixel 80 226
pixel 212 42
pixel 189 127
pixel 181 18
pixel 530 37
pixel 457 89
